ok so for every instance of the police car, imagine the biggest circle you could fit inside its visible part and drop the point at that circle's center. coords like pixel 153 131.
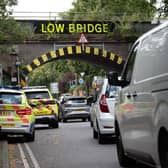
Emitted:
pixel 43 104
pixel 16 115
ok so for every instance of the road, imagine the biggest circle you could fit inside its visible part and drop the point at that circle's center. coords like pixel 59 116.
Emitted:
pixel 70 146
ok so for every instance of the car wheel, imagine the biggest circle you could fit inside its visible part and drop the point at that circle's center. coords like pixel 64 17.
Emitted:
pixel 54 124
pixel 163 150
pixel 95 134
pixel 59 119
pixel 123 159
pixel 100 138
pixel 3 136
pixel 91 123
pixel 64 120
pixel 83 119
pixel 30 137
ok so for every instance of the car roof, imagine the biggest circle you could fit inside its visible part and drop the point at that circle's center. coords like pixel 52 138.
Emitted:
pixel 152 31
pixel 10 90
pixel 35 90
pixel 75 97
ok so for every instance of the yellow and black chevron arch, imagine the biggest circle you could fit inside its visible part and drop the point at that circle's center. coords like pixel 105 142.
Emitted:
pixel 92 55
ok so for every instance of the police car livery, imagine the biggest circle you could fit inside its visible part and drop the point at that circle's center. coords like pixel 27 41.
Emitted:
pixel 43 104
pixel 16 115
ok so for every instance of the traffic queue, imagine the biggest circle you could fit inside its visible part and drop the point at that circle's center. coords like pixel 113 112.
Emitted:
pixel 21 109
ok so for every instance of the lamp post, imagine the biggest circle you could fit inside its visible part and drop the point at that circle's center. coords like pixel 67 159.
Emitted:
pixel 15 72
pixel 18 71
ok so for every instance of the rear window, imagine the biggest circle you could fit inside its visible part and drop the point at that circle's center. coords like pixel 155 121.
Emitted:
pixel 112 91
pixel 10 98
pixel 77 100
pixel 37 95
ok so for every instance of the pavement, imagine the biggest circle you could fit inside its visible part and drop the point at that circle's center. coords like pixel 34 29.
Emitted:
pixel 4 160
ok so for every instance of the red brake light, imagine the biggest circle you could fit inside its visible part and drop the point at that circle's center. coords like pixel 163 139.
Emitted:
pixel 103 104
pixel 26 111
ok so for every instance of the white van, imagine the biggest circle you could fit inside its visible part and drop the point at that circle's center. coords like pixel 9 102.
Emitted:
pixel 141 118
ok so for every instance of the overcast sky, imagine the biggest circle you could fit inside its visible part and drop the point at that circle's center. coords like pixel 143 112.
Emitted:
pixel 43 6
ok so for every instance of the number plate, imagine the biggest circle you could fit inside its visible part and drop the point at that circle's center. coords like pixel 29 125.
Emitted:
pixel 78 110
pixel 42 113
pixel 5 113
pixel 7 125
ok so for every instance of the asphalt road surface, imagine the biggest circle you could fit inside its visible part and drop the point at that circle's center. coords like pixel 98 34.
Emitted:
pixel 70 146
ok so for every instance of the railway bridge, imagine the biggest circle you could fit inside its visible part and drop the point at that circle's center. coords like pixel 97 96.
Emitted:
pixel 100 49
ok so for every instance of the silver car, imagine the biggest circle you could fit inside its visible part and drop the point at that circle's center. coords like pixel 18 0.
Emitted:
pixel 75 107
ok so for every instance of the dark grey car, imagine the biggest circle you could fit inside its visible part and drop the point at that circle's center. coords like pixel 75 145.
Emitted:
pixel 75 107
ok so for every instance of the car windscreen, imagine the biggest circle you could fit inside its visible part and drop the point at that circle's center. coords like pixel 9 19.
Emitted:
pixel 10 98
pixel 37 95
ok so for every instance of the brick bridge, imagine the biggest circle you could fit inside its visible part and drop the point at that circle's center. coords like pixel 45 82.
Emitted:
pixel 101 50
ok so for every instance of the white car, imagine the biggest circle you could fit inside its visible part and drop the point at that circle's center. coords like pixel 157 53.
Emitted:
pixel 102 112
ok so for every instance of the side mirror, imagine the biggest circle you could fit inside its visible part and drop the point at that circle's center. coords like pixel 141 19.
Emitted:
pixel 90 100
pixel 113 78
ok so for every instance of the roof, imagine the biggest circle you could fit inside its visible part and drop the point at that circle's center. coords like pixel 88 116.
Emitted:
pixel 75 97
pixel 152 31
pixel 10 90
pixel 35 88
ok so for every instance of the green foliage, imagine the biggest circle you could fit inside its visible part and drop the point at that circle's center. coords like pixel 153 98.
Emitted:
pixel 12 32
pixel 119 11
pixel 63 71
pixel 162 9
pixel 5 8
pixel 130 10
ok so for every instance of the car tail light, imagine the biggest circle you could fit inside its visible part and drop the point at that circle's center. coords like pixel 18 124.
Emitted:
pixel 26 111
pixel 103 104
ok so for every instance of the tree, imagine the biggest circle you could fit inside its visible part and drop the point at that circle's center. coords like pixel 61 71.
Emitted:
pixel 162 8
pixel 122 12
pixel 111 9
pixel 63 71
pixel 5 8
pixel 10 31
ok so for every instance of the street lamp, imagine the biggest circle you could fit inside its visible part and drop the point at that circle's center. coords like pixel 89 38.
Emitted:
pixel 18 71
pixel 15 72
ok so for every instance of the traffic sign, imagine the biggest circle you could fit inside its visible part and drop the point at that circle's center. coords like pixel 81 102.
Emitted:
pixel 82 39
pixel 54 88
pixel 80 81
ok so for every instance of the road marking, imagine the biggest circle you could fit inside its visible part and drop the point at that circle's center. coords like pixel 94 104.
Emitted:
pixel 23 157
pixel 36 164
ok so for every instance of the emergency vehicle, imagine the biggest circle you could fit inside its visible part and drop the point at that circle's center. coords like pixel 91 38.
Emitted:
pixel 16 115
pixel 43 104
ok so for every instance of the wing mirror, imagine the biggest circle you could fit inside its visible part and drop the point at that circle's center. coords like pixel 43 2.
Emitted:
pixel 113 78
